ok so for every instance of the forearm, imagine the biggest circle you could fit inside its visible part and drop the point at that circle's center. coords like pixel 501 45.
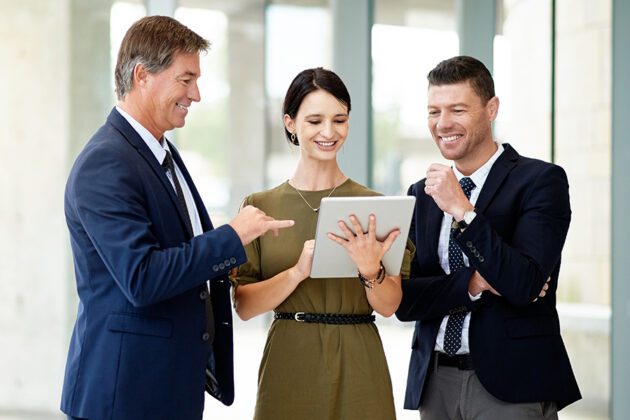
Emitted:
pixel 257 298
pixel 385 297
pixel 430 297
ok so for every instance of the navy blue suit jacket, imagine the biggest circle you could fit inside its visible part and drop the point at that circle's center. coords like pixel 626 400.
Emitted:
pixel 515 243
pixel 137 350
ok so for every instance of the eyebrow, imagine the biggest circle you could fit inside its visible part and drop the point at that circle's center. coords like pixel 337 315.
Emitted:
pixel 320 115
pixel 187 73
pixel 457 105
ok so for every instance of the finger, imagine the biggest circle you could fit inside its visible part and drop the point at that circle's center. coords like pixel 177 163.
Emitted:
pixel 372 227
pixel 341 241
pixel 389 241
pixel 278 224
pixel 358 229
pixel 349 235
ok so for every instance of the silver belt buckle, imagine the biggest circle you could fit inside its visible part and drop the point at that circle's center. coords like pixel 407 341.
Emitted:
pixel 299 316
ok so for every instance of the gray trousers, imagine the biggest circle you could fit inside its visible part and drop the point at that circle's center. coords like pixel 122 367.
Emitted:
pixel 454 394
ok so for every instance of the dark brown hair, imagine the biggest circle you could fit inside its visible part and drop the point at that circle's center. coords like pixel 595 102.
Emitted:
pixel 461 69
pixel 309 81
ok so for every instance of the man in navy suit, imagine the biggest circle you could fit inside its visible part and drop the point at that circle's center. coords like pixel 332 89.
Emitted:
pixel 488 232
pixel 150 336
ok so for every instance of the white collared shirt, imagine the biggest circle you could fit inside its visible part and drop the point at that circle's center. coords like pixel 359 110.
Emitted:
pixel 159 148
pixel 479 178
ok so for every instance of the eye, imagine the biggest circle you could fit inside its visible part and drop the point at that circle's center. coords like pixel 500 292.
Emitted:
pixel 433 113
pixel 458 111
pixel 313 122
pixel 185 81
pixel 341 121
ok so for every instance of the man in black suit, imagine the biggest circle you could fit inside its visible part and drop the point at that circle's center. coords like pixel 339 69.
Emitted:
pixel 489 232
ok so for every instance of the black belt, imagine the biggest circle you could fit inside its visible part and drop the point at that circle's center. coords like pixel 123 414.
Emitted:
pixel 338 319
pixel 460 361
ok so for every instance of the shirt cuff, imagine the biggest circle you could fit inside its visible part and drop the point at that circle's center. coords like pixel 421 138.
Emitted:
pixel 475 297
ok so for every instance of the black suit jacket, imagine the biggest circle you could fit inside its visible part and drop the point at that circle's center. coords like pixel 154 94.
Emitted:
pixel 515 242
pixel 138 348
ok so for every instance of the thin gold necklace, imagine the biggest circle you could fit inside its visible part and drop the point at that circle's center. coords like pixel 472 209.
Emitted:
pixel 304 199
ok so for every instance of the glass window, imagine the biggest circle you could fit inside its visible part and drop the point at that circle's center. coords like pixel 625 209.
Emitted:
pixel 407 42
pixel 298 36
pixel 203 140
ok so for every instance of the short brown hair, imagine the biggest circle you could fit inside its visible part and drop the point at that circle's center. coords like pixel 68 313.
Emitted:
pixel 153 41
pixel 462 69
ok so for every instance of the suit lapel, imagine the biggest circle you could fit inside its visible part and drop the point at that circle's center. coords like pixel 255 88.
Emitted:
pixel 434 224
pixel 206 223
pixel 134 139
pixel 500 170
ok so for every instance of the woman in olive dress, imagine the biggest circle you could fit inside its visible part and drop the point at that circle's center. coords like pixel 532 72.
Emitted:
pixel 332 366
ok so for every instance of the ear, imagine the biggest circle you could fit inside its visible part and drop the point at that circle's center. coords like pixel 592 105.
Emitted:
pixel 140 75
pixel 289 123
pixel 492 108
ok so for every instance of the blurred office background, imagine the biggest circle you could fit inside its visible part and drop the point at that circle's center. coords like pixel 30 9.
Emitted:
pixel 561 71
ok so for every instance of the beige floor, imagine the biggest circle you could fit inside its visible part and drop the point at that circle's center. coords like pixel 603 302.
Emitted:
pixel 249 340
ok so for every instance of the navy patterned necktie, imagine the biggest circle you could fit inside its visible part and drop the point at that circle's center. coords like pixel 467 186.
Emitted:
pixel 455 323
pixel 170 167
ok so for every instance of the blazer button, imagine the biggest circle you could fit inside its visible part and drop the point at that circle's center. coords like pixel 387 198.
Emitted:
pixel 481 259
pixel 215 267
pixel 469 244
pixel 203 295
pixel 205 336
pixel 227 263
pixel 233 260
pixel 221 266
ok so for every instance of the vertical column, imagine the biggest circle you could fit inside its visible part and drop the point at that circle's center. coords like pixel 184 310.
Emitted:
pixel 352 49
pixel 476 25
pixel 246 134
pixel 620 333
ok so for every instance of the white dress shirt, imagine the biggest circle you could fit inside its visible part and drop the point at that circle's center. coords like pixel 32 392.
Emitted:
pixel 159 148
pixel 479 178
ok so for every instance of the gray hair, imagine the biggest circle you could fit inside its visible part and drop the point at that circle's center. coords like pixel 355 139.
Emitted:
pixel 152 42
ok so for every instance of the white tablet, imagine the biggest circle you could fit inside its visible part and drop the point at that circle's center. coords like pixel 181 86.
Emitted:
pixel 331 260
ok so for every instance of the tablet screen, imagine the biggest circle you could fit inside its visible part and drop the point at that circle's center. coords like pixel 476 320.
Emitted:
pixel 331 259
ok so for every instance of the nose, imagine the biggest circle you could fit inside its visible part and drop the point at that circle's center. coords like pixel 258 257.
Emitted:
pixel 327 130
pixel 444 121
pixel 193 92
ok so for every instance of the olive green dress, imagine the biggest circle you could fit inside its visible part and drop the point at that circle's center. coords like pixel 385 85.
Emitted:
pixel 315 371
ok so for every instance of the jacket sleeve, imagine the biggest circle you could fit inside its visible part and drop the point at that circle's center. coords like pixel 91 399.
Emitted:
pixel 116 214
pixel 518 269
pixel 430 293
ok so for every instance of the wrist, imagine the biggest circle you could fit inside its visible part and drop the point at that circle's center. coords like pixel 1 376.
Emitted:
pixel 460 213
pixel 295 275
pixel 370 282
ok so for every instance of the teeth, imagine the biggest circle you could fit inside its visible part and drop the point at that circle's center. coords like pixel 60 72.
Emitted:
pixel 326 143
pixel 451 138
pixel 182 107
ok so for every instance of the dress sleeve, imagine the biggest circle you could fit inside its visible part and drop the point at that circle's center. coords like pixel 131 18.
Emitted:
pixel 250 271
pixel 410 251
